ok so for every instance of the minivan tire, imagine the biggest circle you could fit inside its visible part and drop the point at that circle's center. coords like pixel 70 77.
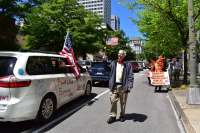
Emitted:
pixel 88 89
pixel 47 109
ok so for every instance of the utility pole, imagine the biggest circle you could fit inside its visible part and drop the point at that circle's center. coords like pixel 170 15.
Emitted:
pixel 194 90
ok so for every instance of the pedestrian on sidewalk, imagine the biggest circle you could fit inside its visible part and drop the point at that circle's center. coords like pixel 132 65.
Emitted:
pixel 120 84
pixel 177 69
pixel 170 68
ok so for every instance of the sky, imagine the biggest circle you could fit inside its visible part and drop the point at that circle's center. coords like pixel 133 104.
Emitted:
pixel 126 25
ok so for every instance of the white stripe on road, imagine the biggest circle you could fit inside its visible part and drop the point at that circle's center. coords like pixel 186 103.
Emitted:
pixel 180 125
pixel 96 98
pixel 43 128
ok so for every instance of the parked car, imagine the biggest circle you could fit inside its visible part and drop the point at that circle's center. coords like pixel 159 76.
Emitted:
pixel 85 63
pixel 34 85
pixel 135 66
pixel 100 71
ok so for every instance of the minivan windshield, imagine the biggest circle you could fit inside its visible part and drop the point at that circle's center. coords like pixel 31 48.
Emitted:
pixel 6 65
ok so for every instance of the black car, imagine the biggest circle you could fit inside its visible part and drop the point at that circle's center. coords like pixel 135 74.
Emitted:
pixel 100 71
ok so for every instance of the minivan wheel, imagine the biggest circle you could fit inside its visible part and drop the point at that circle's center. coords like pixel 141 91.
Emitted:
pixel 47 108
pixel 88 89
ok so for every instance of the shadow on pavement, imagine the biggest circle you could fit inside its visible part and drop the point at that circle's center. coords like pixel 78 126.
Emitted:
pixel 161 91
pixel 15 127
pixel 101 84
pixel 136 117
pixel 69 109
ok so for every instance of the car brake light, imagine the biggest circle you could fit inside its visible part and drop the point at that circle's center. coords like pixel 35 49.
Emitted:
pixel 4 84
pixel 15 84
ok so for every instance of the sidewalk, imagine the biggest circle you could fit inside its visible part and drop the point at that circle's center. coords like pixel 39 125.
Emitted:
pixel 188 114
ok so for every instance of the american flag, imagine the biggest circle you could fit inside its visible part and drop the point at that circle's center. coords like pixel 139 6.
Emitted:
pixel 68 52
pixel 112 41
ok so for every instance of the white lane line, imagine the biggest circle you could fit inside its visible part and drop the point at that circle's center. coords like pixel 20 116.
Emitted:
pixel 52 123
pixel 98 96
pixel 180 125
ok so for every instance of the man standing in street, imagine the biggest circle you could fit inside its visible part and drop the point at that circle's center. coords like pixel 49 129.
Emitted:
pixel 120 84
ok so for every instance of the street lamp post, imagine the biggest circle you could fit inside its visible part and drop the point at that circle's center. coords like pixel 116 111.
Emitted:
pixel 194 90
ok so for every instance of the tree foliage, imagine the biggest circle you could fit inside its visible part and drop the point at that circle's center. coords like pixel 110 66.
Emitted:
pixel 8 30
pixel 164 23
pixel 11 11
pixel 47 25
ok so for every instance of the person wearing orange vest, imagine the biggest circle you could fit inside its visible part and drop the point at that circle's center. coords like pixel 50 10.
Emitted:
pixel 159 67
pixel 159 64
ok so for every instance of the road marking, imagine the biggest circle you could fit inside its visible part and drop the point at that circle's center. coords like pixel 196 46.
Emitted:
pixel 180 125
pixel 97 97
pixel 52 123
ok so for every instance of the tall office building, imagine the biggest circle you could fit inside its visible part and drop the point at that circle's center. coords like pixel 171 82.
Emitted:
pixel 115 22
pixel 101 7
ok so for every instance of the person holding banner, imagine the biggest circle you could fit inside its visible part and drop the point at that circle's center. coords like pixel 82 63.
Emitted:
pixel 120 84
pixel 159 67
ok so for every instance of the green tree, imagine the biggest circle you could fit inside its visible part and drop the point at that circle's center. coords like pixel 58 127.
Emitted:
pixel 8 30
pixel 11 11
pixel 165 25
pixel 161 36
pixel 48 23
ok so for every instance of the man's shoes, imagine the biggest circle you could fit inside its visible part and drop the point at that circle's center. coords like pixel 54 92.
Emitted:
pixel 122 118
pixel 111 120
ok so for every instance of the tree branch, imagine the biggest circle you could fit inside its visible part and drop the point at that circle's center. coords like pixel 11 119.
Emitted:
pixel 169 14
pixel 198 14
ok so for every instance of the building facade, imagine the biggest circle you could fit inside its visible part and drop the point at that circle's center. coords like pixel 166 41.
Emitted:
pixel 115 23
pixel 101 7
pixel 136 45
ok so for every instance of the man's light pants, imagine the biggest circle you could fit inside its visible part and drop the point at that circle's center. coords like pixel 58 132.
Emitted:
pixel 116 95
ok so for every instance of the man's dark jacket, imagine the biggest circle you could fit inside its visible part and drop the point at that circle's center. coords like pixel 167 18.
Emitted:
pixel 127 77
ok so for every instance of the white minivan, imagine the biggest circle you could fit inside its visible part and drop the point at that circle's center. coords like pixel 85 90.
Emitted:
pixel 33 85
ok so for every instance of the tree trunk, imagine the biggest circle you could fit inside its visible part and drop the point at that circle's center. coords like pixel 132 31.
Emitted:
pixel 185 67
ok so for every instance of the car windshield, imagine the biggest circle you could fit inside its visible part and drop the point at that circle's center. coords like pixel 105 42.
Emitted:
pixel 6 65
pixel 99 65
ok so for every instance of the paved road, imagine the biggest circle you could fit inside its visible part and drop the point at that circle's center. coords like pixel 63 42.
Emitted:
pixel 147 112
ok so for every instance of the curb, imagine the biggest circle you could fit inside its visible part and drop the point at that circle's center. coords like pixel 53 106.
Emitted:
pixel 181 115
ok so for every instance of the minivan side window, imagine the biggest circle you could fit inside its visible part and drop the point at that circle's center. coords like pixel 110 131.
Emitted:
pixel 46 65
pixel 7 64
pixel 62 68
pixel 36 65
